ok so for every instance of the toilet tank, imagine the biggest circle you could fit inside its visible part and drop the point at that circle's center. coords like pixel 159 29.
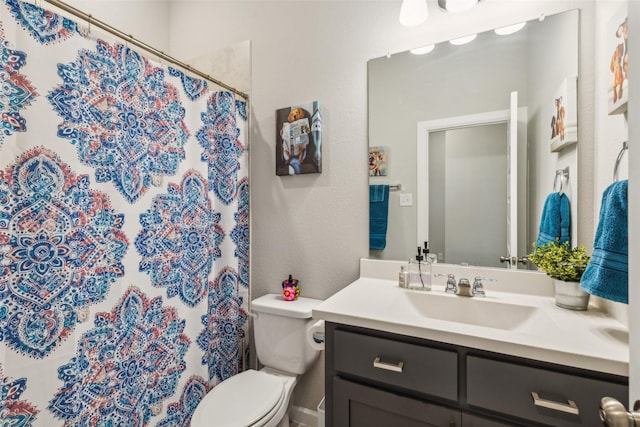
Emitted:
pixel 280 332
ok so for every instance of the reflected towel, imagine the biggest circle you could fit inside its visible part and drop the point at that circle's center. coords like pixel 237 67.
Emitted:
pixel 606 275
pixel 555 223
pixel 378 216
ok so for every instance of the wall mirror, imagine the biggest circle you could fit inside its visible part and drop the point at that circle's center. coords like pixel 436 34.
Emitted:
pixel 446 121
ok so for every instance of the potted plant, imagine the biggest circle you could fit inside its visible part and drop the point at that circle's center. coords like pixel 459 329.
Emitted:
pixel 565 265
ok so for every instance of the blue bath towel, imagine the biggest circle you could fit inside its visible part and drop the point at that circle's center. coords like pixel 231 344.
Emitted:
pixel 378 216
pixel 555 223
pixel 606 275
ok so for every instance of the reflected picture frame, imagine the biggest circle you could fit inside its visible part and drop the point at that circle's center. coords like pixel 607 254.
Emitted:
pixel 378 161
pixel 563 115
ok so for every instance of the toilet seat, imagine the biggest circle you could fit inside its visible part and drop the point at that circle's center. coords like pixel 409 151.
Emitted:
pixel 250 398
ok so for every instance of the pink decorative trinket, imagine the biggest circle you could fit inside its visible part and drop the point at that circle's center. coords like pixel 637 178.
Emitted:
pixel 290 289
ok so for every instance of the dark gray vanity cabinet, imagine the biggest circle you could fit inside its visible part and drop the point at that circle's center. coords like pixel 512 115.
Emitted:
pixel 378 379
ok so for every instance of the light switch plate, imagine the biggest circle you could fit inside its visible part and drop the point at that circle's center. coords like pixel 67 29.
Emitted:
pixel 406 199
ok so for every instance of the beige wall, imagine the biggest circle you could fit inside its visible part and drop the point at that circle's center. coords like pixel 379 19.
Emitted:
pixel 316 226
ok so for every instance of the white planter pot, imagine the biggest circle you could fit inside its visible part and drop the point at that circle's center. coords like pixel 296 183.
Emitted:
pixel 570 296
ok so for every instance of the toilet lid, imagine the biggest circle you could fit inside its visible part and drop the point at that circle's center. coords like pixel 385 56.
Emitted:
pixel 243 399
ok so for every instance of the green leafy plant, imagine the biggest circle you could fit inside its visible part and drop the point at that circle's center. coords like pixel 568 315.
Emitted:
pixel 560 261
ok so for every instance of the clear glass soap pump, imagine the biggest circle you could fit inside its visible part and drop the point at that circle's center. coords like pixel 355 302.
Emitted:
pixel 420 271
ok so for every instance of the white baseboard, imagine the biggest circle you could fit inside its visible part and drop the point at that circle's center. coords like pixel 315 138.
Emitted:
pixel 304 416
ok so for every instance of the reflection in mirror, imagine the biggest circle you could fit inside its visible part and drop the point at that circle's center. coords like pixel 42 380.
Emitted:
pixel 458 158
pixel 407 90
pixel 453 232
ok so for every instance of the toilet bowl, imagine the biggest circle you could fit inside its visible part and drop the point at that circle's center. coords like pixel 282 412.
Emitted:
pixel 251 398
pixel 262 398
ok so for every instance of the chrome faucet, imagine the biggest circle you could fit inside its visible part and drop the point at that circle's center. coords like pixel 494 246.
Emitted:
pixel 464 288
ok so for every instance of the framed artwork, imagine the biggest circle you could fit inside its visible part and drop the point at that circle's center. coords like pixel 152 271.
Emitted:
pixel 619 64
pixel 563 114
pixel 377 161
pixel 299 139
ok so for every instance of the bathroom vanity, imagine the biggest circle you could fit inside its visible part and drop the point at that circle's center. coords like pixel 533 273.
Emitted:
pixel 398 357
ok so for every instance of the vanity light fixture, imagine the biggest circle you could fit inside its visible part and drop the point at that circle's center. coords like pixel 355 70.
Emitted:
pixel 463 40
pixel 509 29
pixel 457 5
pixel 423 49
pixel 413 12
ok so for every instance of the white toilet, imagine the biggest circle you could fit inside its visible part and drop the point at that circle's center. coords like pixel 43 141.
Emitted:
pixel 261 398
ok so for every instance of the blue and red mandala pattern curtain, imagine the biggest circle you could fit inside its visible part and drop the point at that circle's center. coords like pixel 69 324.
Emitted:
pixel 124 230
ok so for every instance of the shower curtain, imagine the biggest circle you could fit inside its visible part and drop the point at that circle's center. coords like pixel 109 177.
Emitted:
pixel 124 248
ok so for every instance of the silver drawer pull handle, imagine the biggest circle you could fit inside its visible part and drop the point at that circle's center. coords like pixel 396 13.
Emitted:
pixel 395 367
pixel 569 407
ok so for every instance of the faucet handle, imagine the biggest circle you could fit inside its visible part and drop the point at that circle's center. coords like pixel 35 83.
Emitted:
pixel 478 287
pixel 451 286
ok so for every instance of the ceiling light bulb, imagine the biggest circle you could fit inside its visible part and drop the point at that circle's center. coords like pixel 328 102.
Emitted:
pixel 509 29
pixel 413 12
pixel 423 50
pixel 463 40
pixel 456 5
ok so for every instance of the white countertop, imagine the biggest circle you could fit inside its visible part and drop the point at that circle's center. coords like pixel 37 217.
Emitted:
pixel 583 339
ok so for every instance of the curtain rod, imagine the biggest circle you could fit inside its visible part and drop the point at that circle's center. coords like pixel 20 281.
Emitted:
pixel 130 39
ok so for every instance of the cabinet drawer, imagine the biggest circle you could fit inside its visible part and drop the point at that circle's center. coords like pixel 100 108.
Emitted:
pixel 469 420
pixel 397 364
pixel 536 394
pixel 358 405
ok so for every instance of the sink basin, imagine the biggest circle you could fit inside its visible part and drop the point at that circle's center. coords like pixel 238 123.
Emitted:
pixel 472 311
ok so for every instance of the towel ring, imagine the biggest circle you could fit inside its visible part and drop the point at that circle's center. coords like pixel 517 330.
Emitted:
pixel 555 184
pixel 625 146
pixel 564 176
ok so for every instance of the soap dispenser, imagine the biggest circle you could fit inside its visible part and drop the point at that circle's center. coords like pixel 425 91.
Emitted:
pixel 428 257
pixel 419 273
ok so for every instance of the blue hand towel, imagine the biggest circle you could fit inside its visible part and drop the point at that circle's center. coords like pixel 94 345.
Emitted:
pixel 555 223
pixel 378 216
pixel 606 275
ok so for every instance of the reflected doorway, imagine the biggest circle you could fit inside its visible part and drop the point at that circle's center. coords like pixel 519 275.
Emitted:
pixel 467 193
pixel 472 201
